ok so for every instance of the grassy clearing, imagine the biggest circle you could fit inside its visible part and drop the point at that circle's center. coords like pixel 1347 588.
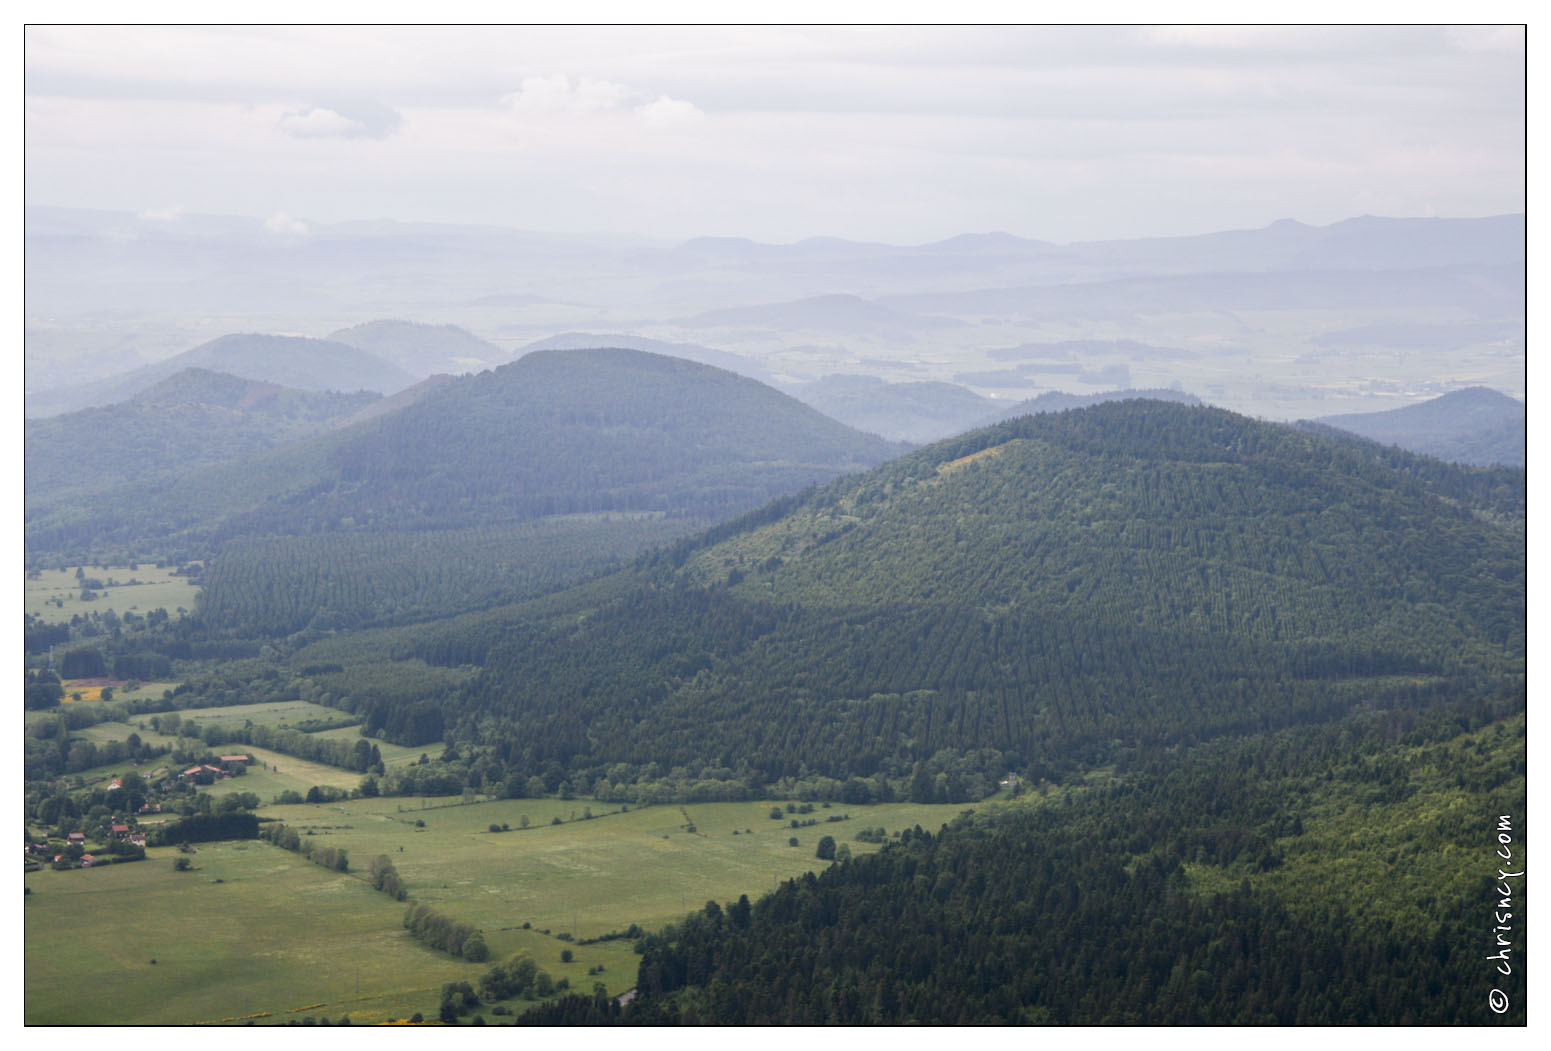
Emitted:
pixel 587 877
pixel 55 595
pixel 277 934
pixel 273 773
pixel 276 713
pixel 103 733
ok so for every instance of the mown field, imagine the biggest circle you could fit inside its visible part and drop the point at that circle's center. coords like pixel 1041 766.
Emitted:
pixel 273 713
pixel 256 929
pixel 585 877
pixel 55 594
pixel 252 929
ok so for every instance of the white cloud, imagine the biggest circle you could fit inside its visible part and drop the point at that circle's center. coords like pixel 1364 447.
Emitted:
pixel 319 123
pixel 161 215
pixel 668 113
pixel 557 96
pixel 283 224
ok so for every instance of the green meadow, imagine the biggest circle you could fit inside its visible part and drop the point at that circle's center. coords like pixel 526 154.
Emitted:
pixel 251 930
pixel 256 929
pixel 55 594
pixel 587 877
pixel 275 772
pixel 272 713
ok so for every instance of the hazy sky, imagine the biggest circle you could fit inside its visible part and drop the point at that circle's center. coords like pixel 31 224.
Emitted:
pixel 892 134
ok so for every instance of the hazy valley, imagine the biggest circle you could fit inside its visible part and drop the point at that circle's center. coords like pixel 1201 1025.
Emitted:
pixel 1286 322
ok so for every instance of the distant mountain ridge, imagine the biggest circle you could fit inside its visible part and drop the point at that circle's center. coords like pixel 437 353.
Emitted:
pixel 1476 425
pixel 106 288
pixel 423 350
pixel 289 361
pixel 1367 242
pixel 554 433
pixel 1057 401
pixel 738 363
pixel 917 412
pixel 193 418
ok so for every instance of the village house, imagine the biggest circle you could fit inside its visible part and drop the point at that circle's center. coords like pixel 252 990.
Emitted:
pixel 120 831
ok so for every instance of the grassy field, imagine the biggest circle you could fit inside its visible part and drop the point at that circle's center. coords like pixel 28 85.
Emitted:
pixel 276 713
pixel 102 733
pixel 252 929
pixel 273 773
pixel 55 595
pixel 256 929
pixel 586 877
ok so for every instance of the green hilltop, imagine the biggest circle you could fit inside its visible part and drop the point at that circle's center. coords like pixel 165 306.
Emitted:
pixel 1049 595
pixel 485 489
pixel 191 419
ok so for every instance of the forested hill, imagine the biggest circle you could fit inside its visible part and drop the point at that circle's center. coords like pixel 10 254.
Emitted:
pixel 554 433
pixel 291 361
pixel 1047 595
pixel 421 349
pixel 191 419
pixel 1476 425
